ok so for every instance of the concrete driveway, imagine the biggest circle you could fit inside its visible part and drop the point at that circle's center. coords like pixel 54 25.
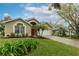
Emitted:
pixel 67 41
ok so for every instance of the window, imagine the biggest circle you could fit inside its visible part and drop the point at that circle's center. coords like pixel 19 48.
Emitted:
pixel 19 28
pixel 16 29
pixel 33 23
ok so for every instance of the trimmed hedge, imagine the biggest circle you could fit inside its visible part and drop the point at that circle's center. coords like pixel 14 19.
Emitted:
pixel 18 48
pixel 75 36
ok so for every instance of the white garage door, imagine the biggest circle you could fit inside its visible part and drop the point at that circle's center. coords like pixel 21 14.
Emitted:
pixel 46 32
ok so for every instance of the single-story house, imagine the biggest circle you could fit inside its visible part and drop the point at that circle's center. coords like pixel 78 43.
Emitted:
pixel 20 26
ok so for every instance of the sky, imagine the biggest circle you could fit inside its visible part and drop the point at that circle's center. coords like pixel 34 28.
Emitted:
pixel 28 10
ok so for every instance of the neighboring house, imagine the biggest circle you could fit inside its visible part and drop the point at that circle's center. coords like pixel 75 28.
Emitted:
pixel 20 26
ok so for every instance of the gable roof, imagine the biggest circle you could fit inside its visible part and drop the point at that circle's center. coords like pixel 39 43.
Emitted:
pixel 17 20
pixel 30 19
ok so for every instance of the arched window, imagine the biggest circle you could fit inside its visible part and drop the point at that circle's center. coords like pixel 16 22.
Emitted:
pixel 33 23
pixel 19 28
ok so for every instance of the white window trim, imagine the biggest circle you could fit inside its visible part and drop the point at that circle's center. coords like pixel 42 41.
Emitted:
pixel 16 24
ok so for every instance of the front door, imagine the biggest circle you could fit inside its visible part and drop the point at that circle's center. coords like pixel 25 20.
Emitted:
pixel 33 32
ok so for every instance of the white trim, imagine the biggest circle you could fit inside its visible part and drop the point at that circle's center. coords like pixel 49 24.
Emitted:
pixel 16 24
pixel 25 29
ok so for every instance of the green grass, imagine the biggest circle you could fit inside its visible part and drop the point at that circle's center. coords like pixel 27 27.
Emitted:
pixel 48 48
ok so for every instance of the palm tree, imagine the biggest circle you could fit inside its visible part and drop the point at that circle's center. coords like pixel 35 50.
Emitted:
pixel 43 26
pixel 40 27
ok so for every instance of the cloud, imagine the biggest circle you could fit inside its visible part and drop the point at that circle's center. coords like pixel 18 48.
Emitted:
pixel 25 5
pixel 6 14
pixel 42 13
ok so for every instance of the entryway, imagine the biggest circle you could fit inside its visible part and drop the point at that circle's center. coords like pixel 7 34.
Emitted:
pixel 33 32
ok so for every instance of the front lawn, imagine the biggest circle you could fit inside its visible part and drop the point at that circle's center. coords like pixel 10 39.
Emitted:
pixel 48 48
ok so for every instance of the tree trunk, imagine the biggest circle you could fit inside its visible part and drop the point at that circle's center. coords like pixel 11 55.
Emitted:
pixel 42 32
pixel 77 30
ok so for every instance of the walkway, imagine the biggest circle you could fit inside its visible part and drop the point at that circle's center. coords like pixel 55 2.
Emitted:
pixel 67 41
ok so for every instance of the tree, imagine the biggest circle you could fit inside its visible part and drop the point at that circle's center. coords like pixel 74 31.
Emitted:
pixel 70 13
pixel 40 27
pixel 55 5
pixel 6 18
pixel 59 30
pixel 43 26
pixel 1 29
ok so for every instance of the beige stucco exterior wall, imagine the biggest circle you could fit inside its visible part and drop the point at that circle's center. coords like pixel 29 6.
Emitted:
pixel 10 27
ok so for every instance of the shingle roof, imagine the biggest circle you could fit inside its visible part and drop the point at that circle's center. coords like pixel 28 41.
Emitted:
pixel 32 19
pixel 16 20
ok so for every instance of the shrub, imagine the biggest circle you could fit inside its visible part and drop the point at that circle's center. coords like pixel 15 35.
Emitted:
pixel 12 35
pixel 23 35
pixel 18 35
pixel 8 35
pixel 31 45
pixel 18 48
pixel 26 35
pixel 75 36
